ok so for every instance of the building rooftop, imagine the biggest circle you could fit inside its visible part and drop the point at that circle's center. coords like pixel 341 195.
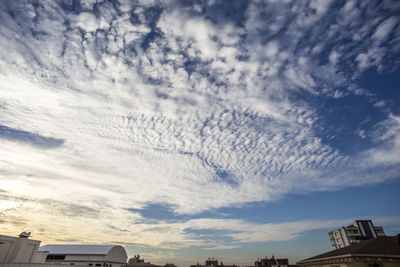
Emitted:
pixel 77 249
pixel 383 246
pixel 16 237
pixel 142 264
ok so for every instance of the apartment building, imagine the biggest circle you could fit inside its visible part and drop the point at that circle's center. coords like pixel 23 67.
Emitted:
pixel 354 233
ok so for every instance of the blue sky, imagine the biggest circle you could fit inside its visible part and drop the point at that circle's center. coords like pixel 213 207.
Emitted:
pixel 189 129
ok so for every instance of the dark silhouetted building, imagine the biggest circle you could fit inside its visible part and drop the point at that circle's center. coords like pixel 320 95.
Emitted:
pixel 272 262
pixel 136 261
pixel 211 262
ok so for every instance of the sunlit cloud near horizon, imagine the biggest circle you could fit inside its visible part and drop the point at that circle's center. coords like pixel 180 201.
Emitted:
pixel 162 124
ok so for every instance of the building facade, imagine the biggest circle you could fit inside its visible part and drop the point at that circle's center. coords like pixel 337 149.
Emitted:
pixel 20 249
pixel 383 251
pixel 211 262
pixel 354 233
pixel 86 255
pixel 272 262
pixel 136 261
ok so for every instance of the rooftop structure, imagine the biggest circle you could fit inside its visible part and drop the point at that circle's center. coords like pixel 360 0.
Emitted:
pixel 272 262
pixel 383 251
pixel 86 255
pixel 353 233
pixel 212 262
pixel 20 249
pixel 136 261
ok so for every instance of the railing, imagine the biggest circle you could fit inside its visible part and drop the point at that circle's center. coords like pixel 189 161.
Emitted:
pixel 353 234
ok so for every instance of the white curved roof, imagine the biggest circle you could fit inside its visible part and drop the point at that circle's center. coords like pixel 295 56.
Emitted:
pixel 78 249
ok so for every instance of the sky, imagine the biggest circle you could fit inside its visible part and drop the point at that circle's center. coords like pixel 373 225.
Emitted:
pixel 192 129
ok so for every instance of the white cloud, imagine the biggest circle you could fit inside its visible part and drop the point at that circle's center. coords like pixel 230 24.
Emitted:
pixel 379 104
pixel 334 57
pixel 338 94
pixel 384 29
pixel 88 22
pixel 361 133
pixel 388 132
pixel 194 31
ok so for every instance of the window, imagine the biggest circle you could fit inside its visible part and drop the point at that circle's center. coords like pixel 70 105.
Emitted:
pixel 55 257
pixel 90 264
pixel 98 264
pixel 367 230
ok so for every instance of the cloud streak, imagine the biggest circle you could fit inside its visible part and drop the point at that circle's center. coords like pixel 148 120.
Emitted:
pixel 61 224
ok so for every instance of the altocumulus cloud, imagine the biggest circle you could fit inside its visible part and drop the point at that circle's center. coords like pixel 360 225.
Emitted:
pixel 160 103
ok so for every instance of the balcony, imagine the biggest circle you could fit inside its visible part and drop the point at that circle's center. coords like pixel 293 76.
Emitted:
pixel 353 234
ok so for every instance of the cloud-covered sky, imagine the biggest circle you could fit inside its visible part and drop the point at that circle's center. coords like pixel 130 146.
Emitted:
pixel 191 128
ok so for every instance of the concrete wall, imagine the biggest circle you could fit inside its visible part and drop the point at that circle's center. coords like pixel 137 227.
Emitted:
pixel 17 249
pixel 84 258
pixel 39 257
pixel 6 245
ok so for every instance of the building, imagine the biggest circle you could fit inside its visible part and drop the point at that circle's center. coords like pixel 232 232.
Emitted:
pixel 273 262
pixel 382 251
pixel 20 249
pixel 136 261
pixel 211 262
pixel 86 255
pixel 354 233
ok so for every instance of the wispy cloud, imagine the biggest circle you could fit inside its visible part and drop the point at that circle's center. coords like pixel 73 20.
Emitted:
pixel 61 223
pixel 221 248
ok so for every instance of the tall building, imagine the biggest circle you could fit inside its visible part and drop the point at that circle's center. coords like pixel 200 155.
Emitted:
pixel 354 233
